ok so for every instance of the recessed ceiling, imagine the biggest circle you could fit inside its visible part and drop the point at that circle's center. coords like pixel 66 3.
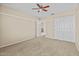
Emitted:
pixel 54 8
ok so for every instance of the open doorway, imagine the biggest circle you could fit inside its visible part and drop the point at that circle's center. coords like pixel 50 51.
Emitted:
pixel 40 28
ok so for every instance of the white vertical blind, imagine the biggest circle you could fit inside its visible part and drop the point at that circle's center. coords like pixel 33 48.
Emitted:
pixel 64 28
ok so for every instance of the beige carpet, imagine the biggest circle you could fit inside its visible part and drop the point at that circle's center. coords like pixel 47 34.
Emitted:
pixel 40 47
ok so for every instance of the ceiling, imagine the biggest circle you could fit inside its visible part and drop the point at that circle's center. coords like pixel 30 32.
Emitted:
pixel 54 8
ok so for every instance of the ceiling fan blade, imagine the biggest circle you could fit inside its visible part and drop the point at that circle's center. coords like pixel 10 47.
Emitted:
pixel 38 5
pixel 44 10
pixel 35 8
pixel 46 6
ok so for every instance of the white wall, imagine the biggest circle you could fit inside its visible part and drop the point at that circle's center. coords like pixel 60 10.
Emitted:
pixel 49 28
pixel 77 26
pixel 15 28
pixel 64 28
pixel 0 27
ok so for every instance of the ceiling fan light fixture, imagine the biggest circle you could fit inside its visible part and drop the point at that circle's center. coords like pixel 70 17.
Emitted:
pixel 41 8
pixel 52 13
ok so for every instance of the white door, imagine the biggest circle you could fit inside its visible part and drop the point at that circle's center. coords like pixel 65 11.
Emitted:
pixel 64 28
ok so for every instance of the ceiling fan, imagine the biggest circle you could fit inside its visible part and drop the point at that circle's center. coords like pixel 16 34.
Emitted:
pixel 41 8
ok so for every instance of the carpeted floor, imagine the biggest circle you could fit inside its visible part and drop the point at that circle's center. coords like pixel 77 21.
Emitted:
pixel 40 47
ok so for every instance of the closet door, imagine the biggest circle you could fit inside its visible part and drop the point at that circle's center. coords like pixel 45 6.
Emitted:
pixel 64 28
